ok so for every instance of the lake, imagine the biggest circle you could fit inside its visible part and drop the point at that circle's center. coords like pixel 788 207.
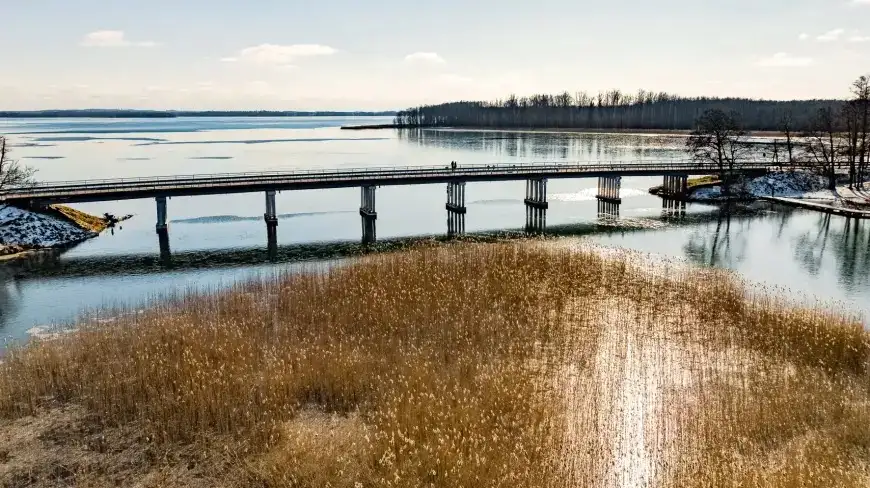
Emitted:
pixel 217 240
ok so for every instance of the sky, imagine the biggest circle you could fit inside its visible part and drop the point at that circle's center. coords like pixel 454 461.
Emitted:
pixel 391 54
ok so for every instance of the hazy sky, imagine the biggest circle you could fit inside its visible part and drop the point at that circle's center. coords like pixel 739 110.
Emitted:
pixel 386 54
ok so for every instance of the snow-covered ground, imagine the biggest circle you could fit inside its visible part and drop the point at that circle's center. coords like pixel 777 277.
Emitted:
pixel 34 230
pixel 788 184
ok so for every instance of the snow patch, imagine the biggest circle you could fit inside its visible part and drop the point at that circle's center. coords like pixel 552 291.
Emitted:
pixel 788 184
pixel 25 228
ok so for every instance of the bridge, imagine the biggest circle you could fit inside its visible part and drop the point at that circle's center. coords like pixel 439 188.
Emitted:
pixel 161 188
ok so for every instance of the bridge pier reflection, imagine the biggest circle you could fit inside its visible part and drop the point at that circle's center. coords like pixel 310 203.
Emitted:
pixel 368 214
pixel 456 208
pixel 673 207
pixel 608 210
pixel 536 205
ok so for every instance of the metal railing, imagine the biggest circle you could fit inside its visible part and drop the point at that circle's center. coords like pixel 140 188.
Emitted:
pixel 229 180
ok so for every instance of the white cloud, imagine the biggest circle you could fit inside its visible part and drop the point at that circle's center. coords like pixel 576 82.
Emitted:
pixel 112 38
pixel 859 38
pixel 424 57
pixel 277 55
pixel 784 60
pixel 861 2
pixel 804 36
pixel 830 36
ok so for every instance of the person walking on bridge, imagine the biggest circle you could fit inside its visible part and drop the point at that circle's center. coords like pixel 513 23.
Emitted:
pixel 453 165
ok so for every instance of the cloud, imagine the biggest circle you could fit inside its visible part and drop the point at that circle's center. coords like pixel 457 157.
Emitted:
pixel 804 36
pixel 425 58
pixel 861 2
pixel 784 60
pixel 859 38
pixel 830 36
pixel 278 55
pixel 112 38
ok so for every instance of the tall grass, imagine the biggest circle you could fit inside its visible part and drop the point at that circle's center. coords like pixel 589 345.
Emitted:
pixel 477 365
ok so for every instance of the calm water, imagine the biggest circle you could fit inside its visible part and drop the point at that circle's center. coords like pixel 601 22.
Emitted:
pixel 217 240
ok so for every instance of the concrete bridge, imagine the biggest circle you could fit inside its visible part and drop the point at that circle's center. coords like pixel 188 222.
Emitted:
pixel 609 174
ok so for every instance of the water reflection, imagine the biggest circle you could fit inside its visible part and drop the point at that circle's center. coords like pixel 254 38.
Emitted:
pixel 550 145
pixel 848 244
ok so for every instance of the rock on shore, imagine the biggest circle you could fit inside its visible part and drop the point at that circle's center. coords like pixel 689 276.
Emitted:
pixel 34 230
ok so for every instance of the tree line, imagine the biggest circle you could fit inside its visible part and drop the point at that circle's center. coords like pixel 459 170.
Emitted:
pixel 829 138
pixel 611 109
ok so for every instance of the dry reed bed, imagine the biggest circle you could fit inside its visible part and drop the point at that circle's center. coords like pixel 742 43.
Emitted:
pixel 467 365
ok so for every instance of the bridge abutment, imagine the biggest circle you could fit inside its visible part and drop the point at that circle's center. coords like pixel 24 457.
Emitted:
pixel 271 218
pixel 536 205
pixel 368 214
pixel 456 208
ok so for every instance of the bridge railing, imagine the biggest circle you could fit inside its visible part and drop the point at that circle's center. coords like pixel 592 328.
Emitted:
pixel 381 173
pixel 494 168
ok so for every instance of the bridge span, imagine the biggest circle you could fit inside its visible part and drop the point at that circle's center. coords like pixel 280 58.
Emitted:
pixel 161 188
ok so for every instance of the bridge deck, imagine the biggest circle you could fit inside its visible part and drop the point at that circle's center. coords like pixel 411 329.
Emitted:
pixel 191 185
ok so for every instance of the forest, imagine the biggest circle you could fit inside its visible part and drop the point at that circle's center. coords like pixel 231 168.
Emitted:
pixel 611 109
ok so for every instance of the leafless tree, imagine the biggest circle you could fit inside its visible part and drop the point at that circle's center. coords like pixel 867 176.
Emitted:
pixel 12 174
pixel 719 139
pixel 861 101
pixel 786 123
pixel 824 144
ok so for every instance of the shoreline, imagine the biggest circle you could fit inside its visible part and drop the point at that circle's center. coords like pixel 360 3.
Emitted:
pixel 56 227
pixel 555 130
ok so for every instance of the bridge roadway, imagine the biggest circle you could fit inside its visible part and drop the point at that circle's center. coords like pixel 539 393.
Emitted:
pixel 192 185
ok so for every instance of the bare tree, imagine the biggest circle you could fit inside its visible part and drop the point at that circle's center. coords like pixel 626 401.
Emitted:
pixel 851 138
pixel 786 123
pixel 824 144
pixel 861 92
pixel 718 139
pixel 12 175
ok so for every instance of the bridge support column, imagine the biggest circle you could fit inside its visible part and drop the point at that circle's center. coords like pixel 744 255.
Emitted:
pixel 456 208
pixel 161 215
pixel 608 189
pixel 271 218
pixel 163 231
pixel 676 186
pixel 368 214
pixel 536 205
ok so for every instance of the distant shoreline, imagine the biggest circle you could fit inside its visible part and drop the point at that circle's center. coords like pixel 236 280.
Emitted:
pixel 554 130
pixel 172 114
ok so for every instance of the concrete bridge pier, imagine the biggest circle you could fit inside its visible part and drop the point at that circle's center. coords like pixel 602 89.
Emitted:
pixel 368 214
pixel 676 185
pixel 162 228
pixel 536 205
pixel 608 189
pixel 456 208
pixel 161 215
pixel 271 218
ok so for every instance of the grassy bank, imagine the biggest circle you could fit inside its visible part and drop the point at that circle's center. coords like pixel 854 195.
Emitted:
pixel 83 220
pixel 471 365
